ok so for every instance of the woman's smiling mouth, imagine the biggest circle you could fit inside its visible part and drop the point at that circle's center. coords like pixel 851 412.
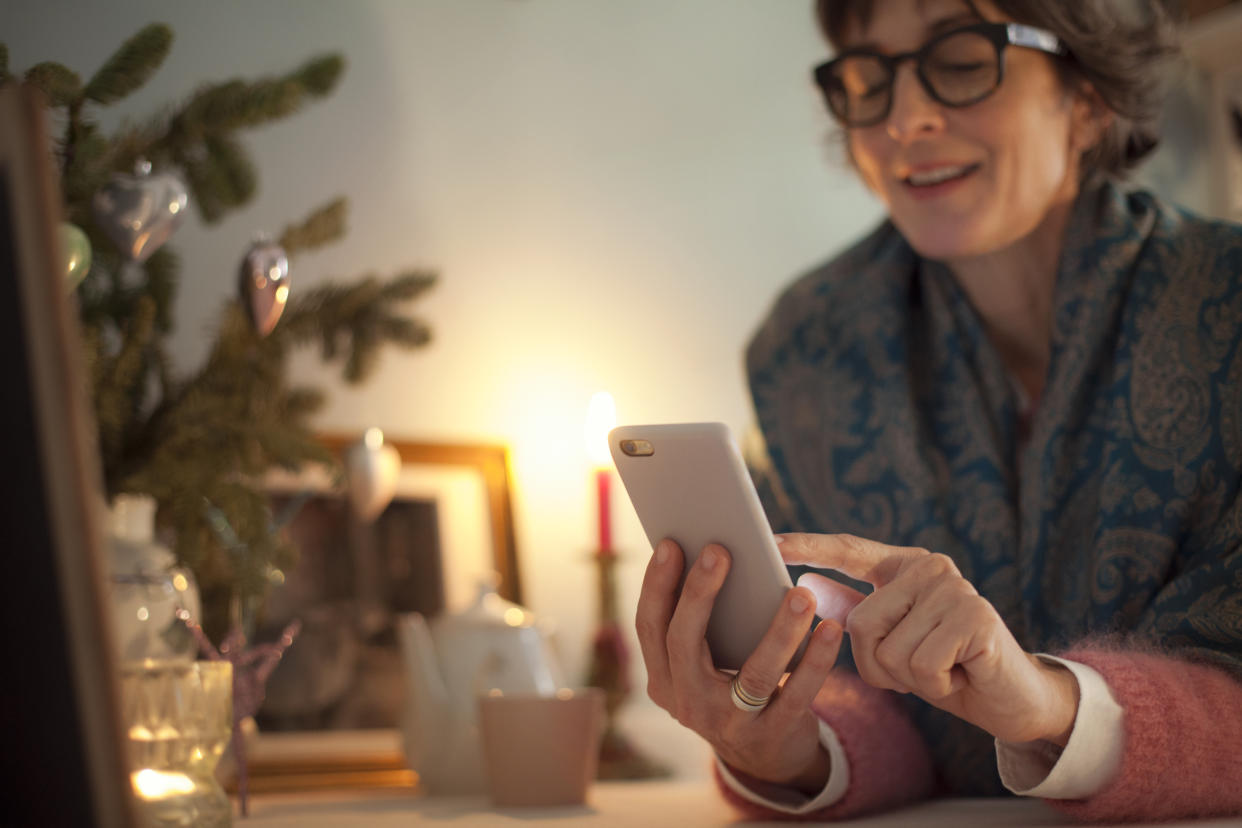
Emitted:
pixel 931 181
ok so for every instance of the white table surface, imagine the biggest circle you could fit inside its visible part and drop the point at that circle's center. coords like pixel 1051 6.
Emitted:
pixel 647 804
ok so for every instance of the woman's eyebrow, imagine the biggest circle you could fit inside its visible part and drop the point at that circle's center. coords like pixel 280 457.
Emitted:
pixel 934 28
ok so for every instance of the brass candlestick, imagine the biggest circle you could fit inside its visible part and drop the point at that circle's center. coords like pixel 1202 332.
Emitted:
pixel 610 657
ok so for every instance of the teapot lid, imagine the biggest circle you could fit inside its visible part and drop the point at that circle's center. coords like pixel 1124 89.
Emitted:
pixel 490 610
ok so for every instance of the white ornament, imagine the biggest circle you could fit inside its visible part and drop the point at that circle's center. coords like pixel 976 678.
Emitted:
pixel 371 469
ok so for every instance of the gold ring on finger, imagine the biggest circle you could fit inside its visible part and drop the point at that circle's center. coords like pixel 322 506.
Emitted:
pixel 745 701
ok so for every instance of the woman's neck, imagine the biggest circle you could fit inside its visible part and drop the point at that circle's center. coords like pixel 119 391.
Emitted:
pixel 1012 290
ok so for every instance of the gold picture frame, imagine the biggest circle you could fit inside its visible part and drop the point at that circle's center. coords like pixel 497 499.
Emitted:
pixel 470 484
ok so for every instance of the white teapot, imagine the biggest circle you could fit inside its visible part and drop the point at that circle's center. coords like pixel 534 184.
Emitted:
pixel 449 663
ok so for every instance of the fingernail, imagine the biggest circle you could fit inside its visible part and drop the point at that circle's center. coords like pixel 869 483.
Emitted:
pixel 709 558
pixel 661 552
pixel 828 631
pixel 798 604
pixel 779 539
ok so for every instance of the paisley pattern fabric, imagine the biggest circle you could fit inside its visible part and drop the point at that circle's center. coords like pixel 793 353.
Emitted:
pixel 888 414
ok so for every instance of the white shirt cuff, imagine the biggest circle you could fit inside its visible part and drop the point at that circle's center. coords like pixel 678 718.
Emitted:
pixel 1089 760
pixel 788 801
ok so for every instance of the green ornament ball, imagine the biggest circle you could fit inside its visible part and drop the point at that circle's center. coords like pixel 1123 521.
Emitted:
pixel 75 252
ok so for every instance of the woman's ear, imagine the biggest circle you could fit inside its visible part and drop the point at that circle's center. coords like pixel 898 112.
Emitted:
pixel 1091 118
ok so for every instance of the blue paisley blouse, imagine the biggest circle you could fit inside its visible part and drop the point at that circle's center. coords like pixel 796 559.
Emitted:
pixel 1115 511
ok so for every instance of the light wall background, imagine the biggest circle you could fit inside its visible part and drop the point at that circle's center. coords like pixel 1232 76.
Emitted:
pixel 612 192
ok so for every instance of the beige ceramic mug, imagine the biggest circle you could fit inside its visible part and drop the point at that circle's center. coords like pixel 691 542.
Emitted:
pixel 541 750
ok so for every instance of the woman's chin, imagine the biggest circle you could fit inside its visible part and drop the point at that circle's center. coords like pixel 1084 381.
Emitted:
pixel 942 243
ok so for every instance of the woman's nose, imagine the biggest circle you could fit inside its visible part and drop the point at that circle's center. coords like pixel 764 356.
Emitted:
pixel 914 112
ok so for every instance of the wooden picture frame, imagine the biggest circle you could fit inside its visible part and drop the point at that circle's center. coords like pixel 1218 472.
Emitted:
pixel 470 486
pixel 492 463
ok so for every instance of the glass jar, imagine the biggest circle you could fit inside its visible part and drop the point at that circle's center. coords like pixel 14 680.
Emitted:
pixel 178 717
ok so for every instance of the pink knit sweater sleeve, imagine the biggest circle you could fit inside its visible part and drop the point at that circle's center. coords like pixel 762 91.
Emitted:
pixel 889 765
pixel 1183 739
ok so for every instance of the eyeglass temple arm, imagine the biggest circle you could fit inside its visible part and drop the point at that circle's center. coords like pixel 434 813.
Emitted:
pixel 1033 38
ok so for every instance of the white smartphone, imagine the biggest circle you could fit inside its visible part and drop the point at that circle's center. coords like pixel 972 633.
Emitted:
pixel 688 482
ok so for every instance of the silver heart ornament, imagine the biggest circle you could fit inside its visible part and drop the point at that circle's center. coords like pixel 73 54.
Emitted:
pixel 264 284
pixel 139 212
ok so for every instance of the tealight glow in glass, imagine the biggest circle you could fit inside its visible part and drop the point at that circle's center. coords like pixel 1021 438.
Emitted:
pixel 178 717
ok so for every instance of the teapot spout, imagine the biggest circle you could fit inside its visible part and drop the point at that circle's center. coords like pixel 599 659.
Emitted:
pixel 427 697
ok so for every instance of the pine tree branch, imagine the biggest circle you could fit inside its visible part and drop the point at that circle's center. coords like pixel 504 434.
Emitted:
pixel 218 174
pixel 233 170
pixel 215 433
pixel 146 140
pixel 356 320
pixel 121 380
pixel 59 83
pixel 409 285
pixel 363 355
pixel 84 169
pixel 201 182
pixel 92 354
pixel 290 450
pixel 319 76
pixel 161 271
pixel 163 374
pixel 301 403
pixel 235 104
pixel 131 65
pixel 126 372
pixel 409 333
pixel 324 225
pixel 239 392
pixel 198 136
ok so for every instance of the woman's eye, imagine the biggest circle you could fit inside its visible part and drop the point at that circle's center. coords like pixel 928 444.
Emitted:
pixel 873 92
pixel 960 68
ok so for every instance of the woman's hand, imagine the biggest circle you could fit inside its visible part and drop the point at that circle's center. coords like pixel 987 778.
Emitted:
pixel 777 744
pixel 926 630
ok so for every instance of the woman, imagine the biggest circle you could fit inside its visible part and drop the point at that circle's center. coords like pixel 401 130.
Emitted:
pixel 1020 401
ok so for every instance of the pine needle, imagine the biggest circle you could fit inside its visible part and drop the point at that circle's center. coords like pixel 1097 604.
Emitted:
pixel 131 65
pixel 59 83
pixel 320 75
pixel 324 225
pixel 161 271
pixel 232 169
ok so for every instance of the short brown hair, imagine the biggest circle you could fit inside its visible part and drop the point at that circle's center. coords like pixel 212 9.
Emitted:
pixel 1123 50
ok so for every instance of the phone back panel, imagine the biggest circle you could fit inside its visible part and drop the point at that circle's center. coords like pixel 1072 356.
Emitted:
pixel 695 489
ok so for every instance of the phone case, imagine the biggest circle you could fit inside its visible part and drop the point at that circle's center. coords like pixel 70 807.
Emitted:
pixel 694 488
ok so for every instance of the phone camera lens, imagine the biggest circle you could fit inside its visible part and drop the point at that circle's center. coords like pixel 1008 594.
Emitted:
pixel 636 448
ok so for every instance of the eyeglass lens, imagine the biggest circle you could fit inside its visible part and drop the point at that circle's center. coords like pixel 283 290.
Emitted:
pixel 958 70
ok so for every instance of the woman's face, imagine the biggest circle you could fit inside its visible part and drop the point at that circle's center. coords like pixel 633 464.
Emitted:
pixel 1017 150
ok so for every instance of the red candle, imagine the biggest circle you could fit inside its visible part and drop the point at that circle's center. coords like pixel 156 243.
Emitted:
pixel 603 487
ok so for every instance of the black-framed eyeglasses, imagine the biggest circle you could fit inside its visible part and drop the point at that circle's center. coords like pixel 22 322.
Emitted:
pixel 957 68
